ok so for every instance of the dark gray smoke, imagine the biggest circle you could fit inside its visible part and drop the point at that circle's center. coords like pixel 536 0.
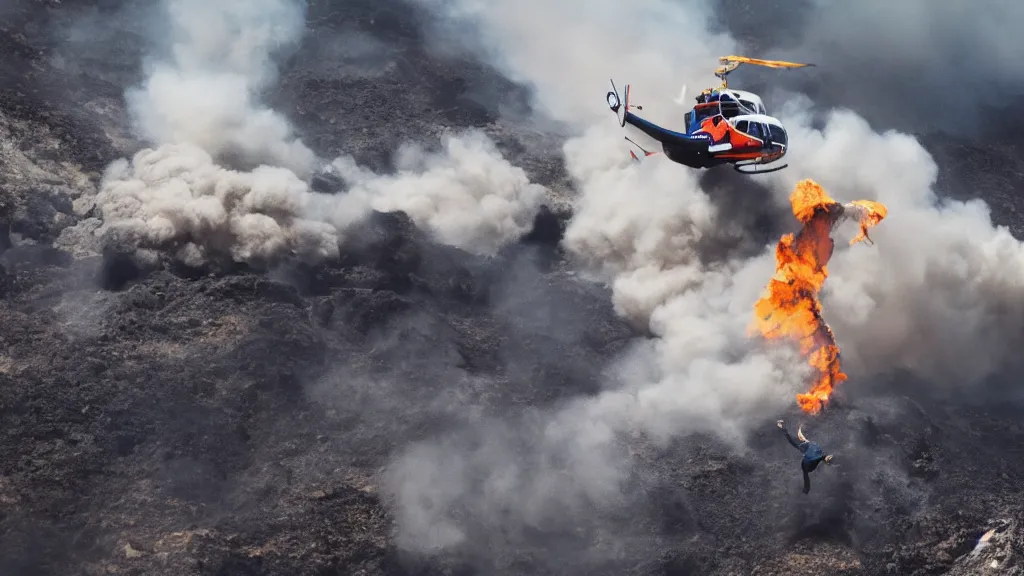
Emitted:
pixel 916 65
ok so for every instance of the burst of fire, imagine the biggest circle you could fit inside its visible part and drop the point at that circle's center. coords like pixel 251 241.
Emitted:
pixel 790 308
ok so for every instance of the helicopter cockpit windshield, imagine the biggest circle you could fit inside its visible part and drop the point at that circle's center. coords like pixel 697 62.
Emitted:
pixel 728 103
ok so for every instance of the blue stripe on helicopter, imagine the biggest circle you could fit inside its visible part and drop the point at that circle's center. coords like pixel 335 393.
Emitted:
pixel 696 137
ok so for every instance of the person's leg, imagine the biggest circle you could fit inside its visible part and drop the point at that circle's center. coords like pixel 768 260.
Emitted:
pixel 790 438
pixel 807 481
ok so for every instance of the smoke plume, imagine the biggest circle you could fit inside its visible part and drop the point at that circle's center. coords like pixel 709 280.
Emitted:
pixel 574 47
pixel 205 91
pixel 940 294
pixel 199 106
pixel 468 196
pixel 177 199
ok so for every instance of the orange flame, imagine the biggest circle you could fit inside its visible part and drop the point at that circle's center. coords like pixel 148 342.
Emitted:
pixel 871 213
pixel 790 308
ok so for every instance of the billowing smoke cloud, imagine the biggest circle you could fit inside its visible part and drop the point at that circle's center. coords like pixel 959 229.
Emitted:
pixel 177 199
pixel 204 93
pixel 574 47
pixel 468 197
pixel 640 228
pixel 200 106
pixel 940 294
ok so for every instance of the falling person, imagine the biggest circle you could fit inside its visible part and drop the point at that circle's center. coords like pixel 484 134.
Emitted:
pixel 813 454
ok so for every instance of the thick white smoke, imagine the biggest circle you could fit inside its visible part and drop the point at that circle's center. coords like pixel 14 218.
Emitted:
pixel 468 197
pixel 199 105
pixel 568 50
pixel 204 93
pixel 638 226
pixel 941 292
pixel 176 198
pixel 936 281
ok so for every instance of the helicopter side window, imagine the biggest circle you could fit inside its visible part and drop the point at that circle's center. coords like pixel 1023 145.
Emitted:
pixel 742 126
pixel 704 112
pixel 778 135
pixel 755 130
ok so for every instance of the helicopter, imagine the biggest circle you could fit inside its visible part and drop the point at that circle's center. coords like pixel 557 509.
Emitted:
pixel 726 126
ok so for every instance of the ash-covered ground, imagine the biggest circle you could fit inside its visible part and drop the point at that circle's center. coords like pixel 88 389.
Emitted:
pixel 412 405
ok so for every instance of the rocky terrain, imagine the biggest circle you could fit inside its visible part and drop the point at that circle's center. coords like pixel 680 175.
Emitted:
pixel 164 420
